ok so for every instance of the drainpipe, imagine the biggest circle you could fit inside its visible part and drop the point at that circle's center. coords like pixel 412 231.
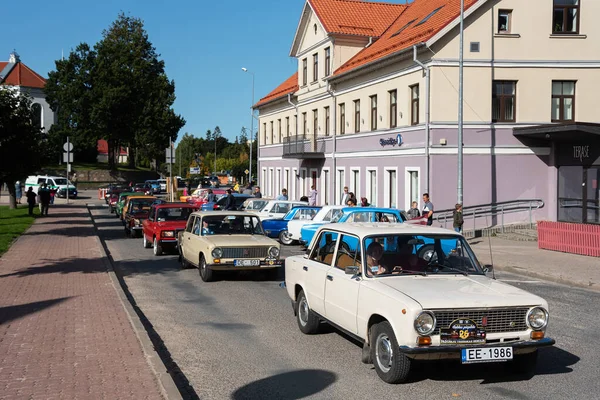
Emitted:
pixel 289 99
pixel 427 115
pixel 334 133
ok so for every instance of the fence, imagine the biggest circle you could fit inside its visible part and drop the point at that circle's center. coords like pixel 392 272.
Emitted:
pixel 568 237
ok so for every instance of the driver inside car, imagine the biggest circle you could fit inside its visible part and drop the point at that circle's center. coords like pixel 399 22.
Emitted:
pixel 374 265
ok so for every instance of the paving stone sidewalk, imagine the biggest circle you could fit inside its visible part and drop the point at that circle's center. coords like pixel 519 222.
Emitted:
pixel 64 333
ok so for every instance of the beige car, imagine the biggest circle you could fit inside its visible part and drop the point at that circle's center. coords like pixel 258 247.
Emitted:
pixel 226 241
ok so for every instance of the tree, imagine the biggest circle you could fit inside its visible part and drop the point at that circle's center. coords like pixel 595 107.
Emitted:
pixel 20 140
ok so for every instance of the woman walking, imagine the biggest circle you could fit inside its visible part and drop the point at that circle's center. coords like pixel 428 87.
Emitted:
pixel 18 192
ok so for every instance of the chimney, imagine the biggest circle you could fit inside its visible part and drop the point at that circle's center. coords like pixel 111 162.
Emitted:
pixel 14 58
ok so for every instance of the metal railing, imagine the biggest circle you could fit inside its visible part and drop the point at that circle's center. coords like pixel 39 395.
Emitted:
pixel 493 210
pixel 299 145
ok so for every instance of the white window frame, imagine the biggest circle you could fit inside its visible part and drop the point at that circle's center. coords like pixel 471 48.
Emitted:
pixel 407 171
pixel 286 182
pixel 303 177
pixel 368 185
pixel 386 187
pixel 271 183
pixel 324 190
pixel 264 179
pixel 294 189
pixel 277 181
pixel 351 187
pixel 340 188
pixel 309 183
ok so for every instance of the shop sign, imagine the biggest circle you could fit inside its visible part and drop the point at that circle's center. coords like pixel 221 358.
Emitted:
pixel 391 141
pixel 581 152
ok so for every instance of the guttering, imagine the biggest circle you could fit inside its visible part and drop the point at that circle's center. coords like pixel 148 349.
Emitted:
pixel 427 113
pixel 334 130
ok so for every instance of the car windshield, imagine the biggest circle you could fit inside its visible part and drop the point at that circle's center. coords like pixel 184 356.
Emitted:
pixel 257 204
pixel 401 254
pixel 232 225
pixel 141 205
pixel 60 181
pixel 174 214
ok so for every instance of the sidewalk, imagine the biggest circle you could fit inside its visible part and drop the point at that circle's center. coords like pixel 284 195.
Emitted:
pixel 525 258
pixel 64 332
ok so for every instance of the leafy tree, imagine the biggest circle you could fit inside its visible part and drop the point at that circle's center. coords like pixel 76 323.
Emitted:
pixel 20 140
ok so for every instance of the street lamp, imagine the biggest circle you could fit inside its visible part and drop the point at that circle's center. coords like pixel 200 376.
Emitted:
pixel 251 125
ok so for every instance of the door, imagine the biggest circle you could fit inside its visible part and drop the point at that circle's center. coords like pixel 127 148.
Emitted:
pixel 189 239
pixel 315 268
pixel 592 195
pixel 341 289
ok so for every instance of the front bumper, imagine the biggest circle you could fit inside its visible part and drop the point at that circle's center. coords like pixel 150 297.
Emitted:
pixel 516 345
pixel 264 264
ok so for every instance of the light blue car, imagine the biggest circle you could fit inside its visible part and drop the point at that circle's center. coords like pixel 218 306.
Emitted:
pixel 155 185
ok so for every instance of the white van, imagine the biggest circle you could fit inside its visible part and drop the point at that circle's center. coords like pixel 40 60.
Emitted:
pixel 59 183
pixel 163 184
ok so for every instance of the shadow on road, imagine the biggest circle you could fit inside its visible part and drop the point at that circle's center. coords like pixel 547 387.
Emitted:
pixel 287 386
pixel 10 313
pixel 61 266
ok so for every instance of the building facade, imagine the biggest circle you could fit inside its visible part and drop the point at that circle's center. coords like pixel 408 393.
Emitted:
pixel 374 105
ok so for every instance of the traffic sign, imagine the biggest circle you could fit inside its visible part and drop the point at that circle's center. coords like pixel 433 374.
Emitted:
pixel 168 154
pixel 68 146
pixel 68 157
pixel 246 172
pixel 194 170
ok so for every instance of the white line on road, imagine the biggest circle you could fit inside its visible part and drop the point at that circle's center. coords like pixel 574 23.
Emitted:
pixel 517 281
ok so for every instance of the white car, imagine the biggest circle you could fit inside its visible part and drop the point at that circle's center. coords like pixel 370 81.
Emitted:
pixel 163 184
pixel 368 280
pixel 325 214
pixel 276 208
pixel 58 183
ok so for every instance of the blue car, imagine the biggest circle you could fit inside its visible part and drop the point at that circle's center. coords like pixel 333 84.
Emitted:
pixel 277 228
pixel 356 214
pixel 155 185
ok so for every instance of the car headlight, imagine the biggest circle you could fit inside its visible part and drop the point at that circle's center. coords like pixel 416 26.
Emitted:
pixel 168 234
pixel 273 252
pixel 537 318
pixel 217 252
pixel 425 323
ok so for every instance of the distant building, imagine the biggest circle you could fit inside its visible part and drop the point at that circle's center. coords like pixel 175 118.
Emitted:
pixel 103 152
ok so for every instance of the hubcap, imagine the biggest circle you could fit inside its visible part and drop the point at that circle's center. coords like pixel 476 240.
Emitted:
pixel 303 312
pixel 384 352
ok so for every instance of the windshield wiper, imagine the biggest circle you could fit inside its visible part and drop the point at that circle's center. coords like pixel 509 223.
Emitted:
pixel 422 273
pixel 460 271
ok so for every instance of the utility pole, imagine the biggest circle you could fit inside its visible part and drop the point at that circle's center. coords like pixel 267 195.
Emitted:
pixel 68 165
pixel 251 124
pixel 171 168
pixel 460 105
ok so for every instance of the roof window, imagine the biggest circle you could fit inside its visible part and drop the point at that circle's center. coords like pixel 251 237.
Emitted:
pixel 403 28
pixel 431 14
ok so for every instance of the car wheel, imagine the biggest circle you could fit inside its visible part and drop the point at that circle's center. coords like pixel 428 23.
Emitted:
pixel 391 365
pixel 427 253
pixel 157 247
pixel 205 273
pixel 147 244
pixel 308 322
pixel 182 260
pixel 285 238
pixel 524 364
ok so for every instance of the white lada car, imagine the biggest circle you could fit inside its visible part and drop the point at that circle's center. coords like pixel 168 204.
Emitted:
pixel 325 215
pixel 367 280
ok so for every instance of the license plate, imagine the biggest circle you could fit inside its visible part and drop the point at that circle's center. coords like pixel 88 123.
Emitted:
pixel 246 263
pixel 489 354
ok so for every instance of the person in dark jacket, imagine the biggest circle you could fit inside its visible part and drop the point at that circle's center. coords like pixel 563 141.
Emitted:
pixel 44 199
pixel 230 201
pixel 457 216
pixel 30 199
pixel 211 197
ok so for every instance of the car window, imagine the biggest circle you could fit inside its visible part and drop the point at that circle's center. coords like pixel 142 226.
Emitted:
pixel 190 224
pixel 60 181
pixel 386 217
pixel 324 247
pixel 363 216
pixel 258 204
pixel 348 253
pixel 232 225
pixel 196 228
pixel 281 208
pixel 152 212
pixel 41 180
pixel 173 214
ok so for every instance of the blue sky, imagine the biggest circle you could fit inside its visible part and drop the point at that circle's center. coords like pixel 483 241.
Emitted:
pixel 203 43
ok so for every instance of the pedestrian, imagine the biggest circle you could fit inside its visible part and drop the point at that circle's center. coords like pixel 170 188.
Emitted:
pixel 44 199
pixel 352 202
pixel 283 195
pixel 312 196
pixel 428 209
pixel 457 216
pixel 304 198
pixel 248 190
pixel 18 192
pixel 364 202
pixel 236 188
pixel 257 192
pixel 30 199
pixel 414 211
pixel 230 201
pixel 211 197
pixel 53 194
pixel 345 196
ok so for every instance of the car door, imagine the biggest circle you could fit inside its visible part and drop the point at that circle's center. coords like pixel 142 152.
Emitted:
pixel 315 269
pixel 189 239
pixel 148 225
pixel 341 289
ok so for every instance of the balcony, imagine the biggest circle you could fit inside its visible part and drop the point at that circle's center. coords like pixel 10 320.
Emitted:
pixel 302 147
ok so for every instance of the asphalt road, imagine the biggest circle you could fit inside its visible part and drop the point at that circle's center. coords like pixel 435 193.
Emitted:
pixel 237 338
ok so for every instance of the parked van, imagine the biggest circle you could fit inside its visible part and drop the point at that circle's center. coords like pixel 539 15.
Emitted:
pixel 58 183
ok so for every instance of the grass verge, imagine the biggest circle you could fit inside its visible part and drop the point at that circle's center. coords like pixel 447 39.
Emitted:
pixel 13 223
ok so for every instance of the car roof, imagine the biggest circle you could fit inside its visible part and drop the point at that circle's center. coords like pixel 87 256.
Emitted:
pixel 175 205
pixel 373 209
pixel 224 213
pixel 386 228
pixel 140 197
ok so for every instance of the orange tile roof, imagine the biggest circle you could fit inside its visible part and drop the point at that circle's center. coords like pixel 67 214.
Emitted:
pixel 356 17
pixel 22 75
pixel 410 30
pixel 289 86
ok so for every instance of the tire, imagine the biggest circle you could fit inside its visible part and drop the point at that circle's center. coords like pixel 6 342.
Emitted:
pixel 205 273
pixel 183 261
pixel 391 365
pixel 524 364
pixel 308 322
pixel 426 252
pixel 147 244
pixel 157 247
pixel 285 239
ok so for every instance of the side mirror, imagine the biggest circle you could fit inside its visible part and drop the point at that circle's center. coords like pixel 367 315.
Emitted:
pixel 352 270
pixel 488 268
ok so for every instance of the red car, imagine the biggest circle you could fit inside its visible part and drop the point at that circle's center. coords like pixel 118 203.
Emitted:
pixel 164 222
pixel 200 200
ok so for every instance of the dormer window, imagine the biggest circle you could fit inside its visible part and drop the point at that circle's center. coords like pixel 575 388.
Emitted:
pixel 565 17
pixel 431 14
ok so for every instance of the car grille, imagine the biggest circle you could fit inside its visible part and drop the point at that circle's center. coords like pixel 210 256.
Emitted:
pixel 245 252
pixel 498 320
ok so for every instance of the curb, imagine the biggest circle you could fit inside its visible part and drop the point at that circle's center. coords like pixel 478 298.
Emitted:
pixel 165 380
pixel 549 278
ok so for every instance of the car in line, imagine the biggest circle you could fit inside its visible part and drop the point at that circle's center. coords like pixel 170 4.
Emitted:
pixel 255 203
pixel 368 280
pixel 198 197
pixel 163 184
pixel 355 214
pixel 58 183
pixel 220 203
pixel 143 188
pixel 154 186
pixel 277 228
pixel 325 215
pixel 215 241
pixel 135 211
pixel 118 208
pixel 277 208
pixel 164 222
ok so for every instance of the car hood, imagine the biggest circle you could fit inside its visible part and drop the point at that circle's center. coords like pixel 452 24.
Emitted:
pixel 240 240
pixel 457 291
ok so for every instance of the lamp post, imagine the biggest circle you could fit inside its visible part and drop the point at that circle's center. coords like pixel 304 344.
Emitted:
pixel 251 125
pixel 460 106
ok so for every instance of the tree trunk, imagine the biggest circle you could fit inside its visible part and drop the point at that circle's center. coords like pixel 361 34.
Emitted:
pixel 111 154
pixel 131 159
pixel 12 195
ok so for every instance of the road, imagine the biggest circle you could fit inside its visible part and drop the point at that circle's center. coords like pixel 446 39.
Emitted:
pixel 237 338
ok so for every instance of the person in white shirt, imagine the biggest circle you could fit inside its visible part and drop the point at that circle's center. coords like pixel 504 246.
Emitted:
pixel 345 196
pixel 283 195
pixel 312 197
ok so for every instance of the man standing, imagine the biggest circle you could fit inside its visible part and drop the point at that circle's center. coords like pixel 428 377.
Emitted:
pixel 257 192
pixel 248 190
pixel 283 195
pixel 230 201
pixel 345 196
pixel 312 197
pixel 428 209
pixel 30 199
pixel 44 199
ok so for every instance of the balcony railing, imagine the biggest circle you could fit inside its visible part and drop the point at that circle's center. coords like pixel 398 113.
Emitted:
pixel 300 146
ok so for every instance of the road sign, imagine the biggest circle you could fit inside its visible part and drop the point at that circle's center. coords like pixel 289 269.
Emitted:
pixel 168 154
pixel 246 172
pixel 194 170
pixel 68 157
pixel 68 146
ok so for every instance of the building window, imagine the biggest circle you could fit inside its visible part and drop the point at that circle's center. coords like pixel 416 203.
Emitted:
pixel 264 132
pixel 355 183
pixel 326 110
pixel 315 67
pixel 393 108
pixel 304 124
pixel 563 101
pixel 504 21
pixel 327 61
pixel 503 101
pixel 287 126
pixel 566 16
pixel 37 115
pixel 414 104
pixel 413 187
pixel 279 130
pixel 315 122
pixel 392 189
pixel 356 115
pixel 341 182
pixel 372 186
pixel 342 119
pixel 296 125
pixel 304 71
pixel 272 133
pixel 374 113
pixel 325 187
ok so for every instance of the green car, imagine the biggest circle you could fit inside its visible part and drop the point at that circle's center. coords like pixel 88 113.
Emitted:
pixel 121 202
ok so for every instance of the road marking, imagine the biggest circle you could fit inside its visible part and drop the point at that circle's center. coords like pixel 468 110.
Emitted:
pixel 517 281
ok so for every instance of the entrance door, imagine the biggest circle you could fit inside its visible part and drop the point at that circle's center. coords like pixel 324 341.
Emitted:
pixel 591 195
